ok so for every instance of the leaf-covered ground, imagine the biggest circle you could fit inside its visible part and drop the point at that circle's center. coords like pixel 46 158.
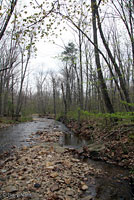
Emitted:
pixel 4 125
pixel 117 142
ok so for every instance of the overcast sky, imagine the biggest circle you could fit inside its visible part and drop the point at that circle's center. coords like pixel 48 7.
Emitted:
pixel 47 53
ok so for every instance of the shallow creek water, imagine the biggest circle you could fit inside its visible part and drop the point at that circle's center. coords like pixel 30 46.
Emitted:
pixel 108 186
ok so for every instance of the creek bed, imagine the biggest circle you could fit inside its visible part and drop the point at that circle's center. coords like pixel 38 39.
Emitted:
pixel 109 185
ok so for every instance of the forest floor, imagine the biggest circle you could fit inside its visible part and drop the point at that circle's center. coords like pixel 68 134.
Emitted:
pixel 112 143
pixel 8 121
pixel 5 123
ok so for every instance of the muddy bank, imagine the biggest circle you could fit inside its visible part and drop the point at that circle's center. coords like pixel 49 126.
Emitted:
pixel 113 144
pixel 5 125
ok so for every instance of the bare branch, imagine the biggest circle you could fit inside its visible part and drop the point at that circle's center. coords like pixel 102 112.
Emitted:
pixel 2 31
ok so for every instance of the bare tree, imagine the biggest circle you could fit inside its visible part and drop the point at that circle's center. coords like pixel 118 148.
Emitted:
pixel 41 99
pixel 10 9
pixel 97 59
pixel 24 66
pixel 117 68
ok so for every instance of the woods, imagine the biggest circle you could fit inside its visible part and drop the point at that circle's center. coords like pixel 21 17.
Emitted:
pixel 96 73
pixel 67 70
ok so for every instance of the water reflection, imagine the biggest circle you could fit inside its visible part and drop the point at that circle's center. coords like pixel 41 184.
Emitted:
pixel 19 134
pixel 71 140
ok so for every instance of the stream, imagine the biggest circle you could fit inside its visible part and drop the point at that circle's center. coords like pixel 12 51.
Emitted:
pixel 111 186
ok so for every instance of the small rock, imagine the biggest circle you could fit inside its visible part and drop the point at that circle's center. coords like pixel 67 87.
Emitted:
pixel 54 187
pixel 50 167
pixel 84 187
pixel 54 174
pixel 80 151
pixel 34 196
pixel 61 181
pixel 67 181
pixel 70 192
pixel 96 147
pixel 68 164
pixel 11 189
pixel 39 132
pixel 24 148
pixel 48 164
pixel 37 185
pixel 60 149
pixel 3 170
pixel 87 198
pixel 3 178
pixel 75 160
pixel 68 198
pixel 49 156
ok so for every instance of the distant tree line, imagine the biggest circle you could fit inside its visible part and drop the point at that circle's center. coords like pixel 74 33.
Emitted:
pixel 97 72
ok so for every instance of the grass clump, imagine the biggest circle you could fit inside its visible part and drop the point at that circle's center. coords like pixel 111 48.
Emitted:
pixel 25 118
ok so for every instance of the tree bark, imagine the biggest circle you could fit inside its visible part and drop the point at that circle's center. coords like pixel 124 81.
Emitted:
pixel 117 69
pixel 81 73
pixel 54 96
pixel 106 98
pixel 64 99
pixel 13 4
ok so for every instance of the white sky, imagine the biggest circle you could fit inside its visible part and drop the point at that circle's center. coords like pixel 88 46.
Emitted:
pixel 45 56
pixel 47 52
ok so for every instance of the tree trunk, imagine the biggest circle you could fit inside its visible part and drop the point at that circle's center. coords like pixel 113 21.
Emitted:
pixel 81 73
pixel 117 69
pixel 11 9
pixel 1 91
pixel 87 79
pixel 64 100
pixel 97 60
pixel 54 97
pixel 12 108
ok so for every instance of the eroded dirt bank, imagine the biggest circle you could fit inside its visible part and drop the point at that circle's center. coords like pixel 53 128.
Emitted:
pixel 113 144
